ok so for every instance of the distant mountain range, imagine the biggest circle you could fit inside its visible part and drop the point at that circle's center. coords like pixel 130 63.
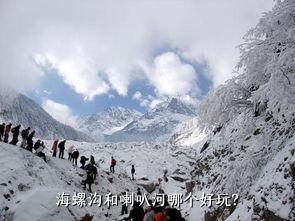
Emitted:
pixel 108 121
pixel 157 124
pixel 114 124
pixel 19 109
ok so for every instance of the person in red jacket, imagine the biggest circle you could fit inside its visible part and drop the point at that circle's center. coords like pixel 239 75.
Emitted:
pixel 159 214
pixel 54 147
pixel 6 132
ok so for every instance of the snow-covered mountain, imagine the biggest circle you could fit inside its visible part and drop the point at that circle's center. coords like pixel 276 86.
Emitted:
pixel 19 109
pixel 250 123
pixel 157 124
pixel 107 121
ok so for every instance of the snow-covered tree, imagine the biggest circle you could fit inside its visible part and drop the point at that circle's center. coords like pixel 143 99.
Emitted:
pixel 267 71
pixel 268 58
pixel 224 103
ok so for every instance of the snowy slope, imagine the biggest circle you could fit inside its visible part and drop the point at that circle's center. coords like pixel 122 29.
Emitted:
pixel 19 109
pixel 107 121
pixel 30 185
pixel 157 124
pixel 252 158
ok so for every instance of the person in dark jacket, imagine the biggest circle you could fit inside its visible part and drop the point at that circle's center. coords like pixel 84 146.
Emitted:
pixel 124 209
pixel 2 129
pixel 61 147
pixel 30 143
pixel 25 134
pixel 136 214
pixel 37 145
pixel 113 164
pixel 6 132
pixel 138 193
pixel 90 167
pixel 92 161
pixel 88 180
pixel 173 214
pixel 75 156
pixel 83 160
pixel 15 132
pixel 132 171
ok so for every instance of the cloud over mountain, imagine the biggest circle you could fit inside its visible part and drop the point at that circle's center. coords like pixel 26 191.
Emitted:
pixel 95 46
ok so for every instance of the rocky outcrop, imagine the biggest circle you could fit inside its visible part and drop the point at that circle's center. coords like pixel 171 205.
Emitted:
pixel 147 185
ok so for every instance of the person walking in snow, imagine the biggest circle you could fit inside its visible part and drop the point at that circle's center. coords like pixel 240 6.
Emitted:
pixel 15 133
pixel 61 147
pixel 24 135
pixel 88 180
pixel 138 193
pixel 113 164
pixel 90 167
pixel 30 143
pixel 6 132
pixel 92 161
pixel 37 145
pixel 132 171
pixel 83 160
pixel 2 129
pixel 70 152
pixel 39 151
pixel 75 156
pixel 54 147
pixel 124 209
pixel 165 175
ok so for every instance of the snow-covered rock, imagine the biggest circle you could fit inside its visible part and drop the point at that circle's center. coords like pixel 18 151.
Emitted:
pixel 188 133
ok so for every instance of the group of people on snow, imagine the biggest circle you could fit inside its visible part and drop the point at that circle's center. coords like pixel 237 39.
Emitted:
pixel 73 155
pixel 137 213
pixel 26 136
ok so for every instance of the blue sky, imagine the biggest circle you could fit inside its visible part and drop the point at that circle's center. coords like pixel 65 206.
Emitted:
pixel 52 86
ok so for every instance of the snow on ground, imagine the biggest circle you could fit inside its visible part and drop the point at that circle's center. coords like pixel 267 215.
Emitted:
pixel 30 185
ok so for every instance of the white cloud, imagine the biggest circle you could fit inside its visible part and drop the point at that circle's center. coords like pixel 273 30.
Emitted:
pixel 111 96
pixel 60 112
pixel 78 73
pixel 170 76
pixel 147 101
pixel 144 102
pixel 154 103
pixel 95 44
pixel 118 80
pixel 137 95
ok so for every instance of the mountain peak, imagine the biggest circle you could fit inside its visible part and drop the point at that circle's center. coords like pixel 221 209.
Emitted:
pixel 108 121
pixel 174 105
